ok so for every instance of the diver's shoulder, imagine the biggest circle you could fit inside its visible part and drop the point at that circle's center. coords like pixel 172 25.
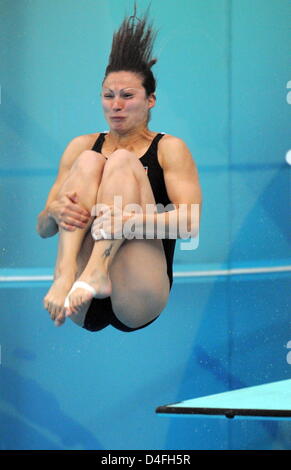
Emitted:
pixel 85 141
pixel 171 142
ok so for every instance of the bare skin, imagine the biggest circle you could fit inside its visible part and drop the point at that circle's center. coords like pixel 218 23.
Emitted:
pixel 132 272
pixel 98 272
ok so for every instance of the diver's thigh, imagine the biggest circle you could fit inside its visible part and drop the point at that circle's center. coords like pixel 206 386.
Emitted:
pixel 140 284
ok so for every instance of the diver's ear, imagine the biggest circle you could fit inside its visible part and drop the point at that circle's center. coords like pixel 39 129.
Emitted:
pixel 152 100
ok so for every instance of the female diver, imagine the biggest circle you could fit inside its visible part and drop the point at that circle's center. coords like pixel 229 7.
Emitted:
pixel 102 278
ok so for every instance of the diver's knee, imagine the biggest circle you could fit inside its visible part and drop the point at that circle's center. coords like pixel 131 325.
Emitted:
pixel 119 159
pixel 89 161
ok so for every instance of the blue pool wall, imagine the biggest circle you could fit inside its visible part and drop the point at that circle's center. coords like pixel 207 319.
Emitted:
pixel 224 80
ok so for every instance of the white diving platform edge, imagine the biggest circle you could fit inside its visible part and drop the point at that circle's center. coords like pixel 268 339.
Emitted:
pixel 267 400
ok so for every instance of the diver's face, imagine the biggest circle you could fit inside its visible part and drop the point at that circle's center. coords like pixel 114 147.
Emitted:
pixel 125 103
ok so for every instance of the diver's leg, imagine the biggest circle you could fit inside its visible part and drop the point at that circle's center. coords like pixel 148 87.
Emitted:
pixel 84 178
pixel 125 176
pixel 118 179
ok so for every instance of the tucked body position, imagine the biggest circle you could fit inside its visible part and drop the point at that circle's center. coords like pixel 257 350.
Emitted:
pixel 104 275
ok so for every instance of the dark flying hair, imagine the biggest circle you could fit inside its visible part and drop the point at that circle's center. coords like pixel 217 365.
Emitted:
pixel 131 50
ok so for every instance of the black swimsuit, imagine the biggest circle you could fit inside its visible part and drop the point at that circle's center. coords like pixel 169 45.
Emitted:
pixel 100 313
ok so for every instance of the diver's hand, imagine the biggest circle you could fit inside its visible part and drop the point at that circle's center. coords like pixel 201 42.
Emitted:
pixel 68 213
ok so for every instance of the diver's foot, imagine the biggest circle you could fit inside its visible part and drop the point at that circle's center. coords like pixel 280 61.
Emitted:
pixel 96 284
pixel 55 298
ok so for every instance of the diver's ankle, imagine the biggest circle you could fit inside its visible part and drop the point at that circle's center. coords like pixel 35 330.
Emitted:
pixel 65 271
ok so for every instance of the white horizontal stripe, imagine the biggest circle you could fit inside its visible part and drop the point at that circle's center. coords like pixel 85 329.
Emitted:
pixel 218 272
pixel 25 278
pixel 232 272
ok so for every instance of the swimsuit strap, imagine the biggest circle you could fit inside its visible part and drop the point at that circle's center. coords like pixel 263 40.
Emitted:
pixel 97 147
pixel 153 148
